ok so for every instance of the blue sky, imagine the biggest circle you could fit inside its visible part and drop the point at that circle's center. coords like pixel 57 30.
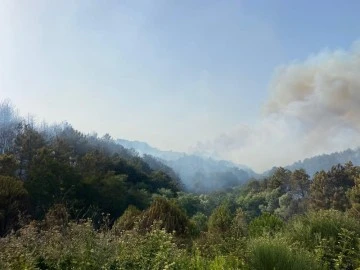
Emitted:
pixel 171 73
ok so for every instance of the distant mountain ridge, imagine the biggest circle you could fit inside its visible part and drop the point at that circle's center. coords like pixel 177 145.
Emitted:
pixel 326 161
pixel 144 148
pixel 204 173
pixel 197 173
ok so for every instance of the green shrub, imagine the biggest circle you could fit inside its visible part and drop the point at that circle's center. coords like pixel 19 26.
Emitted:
pixel 172 218
pixel 57 217
pixel 220 219
pixel 332 235
pixel 239 225
pixel 127 220
pixel 197 261
pixel 265 224
pixel 275 253
pixel 199 223
pixel 154 250
pixel 76 247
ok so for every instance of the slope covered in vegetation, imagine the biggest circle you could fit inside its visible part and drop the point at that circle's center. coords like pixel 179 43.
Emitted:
pixel 74 201
pixel 198 173
pixel 46 166
pixel 326 161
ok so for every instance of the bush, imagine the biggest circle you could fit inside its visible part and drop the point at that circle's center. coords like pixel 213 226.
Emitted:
pixel 220 219
pixel 127 220
pixel 172 218
pixel 265 224
pixel 76 247
pixel 154 250
pixel 332 235
pixel 239 225
pixel 57 217
pixel 275 253
pixel 199 223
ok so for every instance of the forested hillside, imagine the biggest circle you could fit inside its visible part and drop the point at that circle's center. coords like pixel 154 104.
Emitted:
pixel 326 161
pixel 42 167
pixel 75 201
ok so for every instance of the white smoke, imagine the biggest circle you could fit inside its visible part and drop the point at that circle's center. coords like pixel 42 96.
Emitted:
pixel 313 108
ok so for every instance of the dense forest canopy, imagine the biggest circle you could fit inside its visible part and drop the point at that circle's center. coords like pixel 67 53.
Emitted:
pixel 51 165
pixel 75 201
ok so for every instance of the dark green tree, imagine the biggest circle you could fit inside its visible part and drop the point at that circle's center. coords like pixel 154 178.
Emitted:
pixel 328 190
pixel 8 164
pixel 51 181
pixel 320 191
pixel 220 219
pixel 280 179
pixel 13 201
pixel 300 183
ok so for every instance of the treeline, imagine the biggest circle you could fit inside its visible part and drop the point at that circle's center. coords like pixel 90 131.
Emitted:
pixel 286 221
pixel 326 161
pixel 41 167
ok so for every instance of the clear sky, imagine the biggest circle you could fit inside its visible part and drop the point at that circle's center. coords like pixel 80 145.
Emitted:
pixel 176 74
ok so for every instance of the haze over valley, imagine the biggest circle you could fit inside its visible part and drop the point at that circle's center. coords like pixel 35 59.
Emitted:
pixel 158 134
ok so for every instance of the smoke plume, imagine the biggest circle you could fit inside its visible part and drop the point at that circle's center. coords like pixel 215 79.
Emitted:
pixel 313 108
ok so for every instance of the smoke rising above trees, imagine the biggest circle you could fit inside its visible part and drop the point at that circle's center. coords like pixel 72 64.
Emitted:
pixel 312 108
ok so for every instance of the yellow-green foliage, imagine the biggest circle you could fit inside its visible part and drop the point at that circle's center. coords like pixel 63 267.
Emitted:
pixel 276 253
pixel 76 247
pixel 265 224
pixel 220 219
pixel 79 246
pixel 331 235
pixel 172 218
pixel 127 220
pixel 198 223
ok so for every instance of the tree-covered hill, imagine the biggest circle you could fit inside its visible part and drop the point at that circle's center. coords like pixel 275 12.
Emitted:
pixel 326 161
pixel 42 166
pixel 75 201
